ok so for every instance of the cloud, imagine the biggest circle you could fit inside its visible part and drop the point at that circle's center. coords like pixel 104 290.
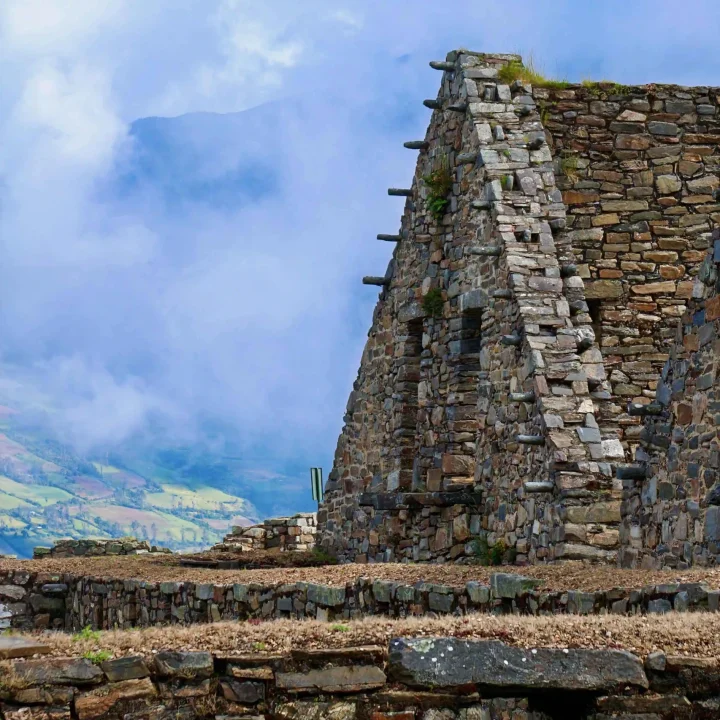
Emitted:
pixel 208 266
pixel 38 27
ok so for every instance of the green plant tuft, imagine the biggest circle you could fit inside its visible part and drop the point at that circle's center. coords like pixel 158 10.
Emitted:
pixel 528 73
pixel 569 167
pixel 259 646
pixel 491 554
pixel 87 633
pixel 97 656
pixel 323 556
pixel 340 628
pixel 433 302
pixel 596 87
pixel 439 181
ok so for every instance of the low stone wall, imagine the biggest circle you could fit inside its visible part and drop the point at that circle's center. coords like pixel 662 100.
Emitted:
pixel 67 547
pixel 68 602
pixel 428 678
pixel 284 533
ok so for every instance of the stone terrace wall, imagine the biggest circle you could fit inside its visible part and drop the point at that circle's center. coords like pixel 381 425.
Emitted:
pixel 423 678
pixel 285 533
pixel 68 602
pixel 94 547
pixel 672 517
pixel 478 420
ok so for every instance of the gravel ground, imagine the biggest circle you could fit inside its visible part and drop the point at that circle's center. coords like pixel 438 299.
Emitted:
pixel 683 634
pixel 564 576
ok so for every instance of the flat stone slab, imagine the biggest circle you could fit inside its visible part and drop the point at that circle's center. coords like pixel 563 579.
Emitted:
pixel 125 668
pixel 100 702
pixel 18 647
pixel 447 662
pixel 343 679
pixel 394 501
pixel 184 664
pixel 58 672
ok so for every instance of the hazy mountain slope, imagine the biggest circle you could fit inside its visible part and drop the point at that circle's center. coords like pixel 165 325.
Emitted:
pixel 48 491
pixel 180 489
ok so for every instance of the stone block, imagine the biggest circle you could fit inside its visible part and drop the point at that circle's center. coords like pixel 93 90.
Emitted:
pixel 184 664
pixel 325 595
pixel 348 678
pixel 125 668
pixel 58 672
pixel 489 664
pixel 510 585
pixel 603 289
pixel 598 512
pixel 248 692
pixel 101 702
pixel 479 594
pixel 304 710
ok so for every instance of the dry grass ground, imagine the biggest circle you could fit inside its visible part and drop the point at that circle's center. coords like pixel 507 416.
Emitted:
pixel 684 634
pixel 565 576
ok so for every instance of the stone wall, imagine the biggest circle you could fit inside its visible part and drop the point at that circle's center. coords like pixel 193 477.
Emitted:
pixel 423 678
pixel 69 602
pixel 639 168
pixel 94 546
pixel 286 533
pixel 672 511
pixel 478 421
pixel 576 224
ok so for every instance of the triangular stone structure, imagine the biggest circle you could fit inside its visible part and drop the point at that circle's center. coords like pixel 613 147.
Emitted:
pixel 531 295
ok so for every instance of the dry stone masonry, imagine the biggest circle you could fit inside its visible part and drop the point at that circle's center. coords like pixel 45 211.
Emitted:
pixel 68 547
pixel 410 679
pixel 296 533
pixel 69 602
pixel 523 375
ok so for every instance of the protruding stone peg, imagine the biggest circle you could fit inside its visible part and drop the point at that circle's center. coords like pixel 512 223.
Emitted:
pixel 389 238
pixel 538 487
pixel 400 192
pixel 568 270
pixel 492 250
pixel 467 157
pixel 442 65
pixel 637 409
pixel 584 343
pixel 432 104
pixel 514 340
pixel 372 280
pixel 416 145
pixel 530 439
pixel 631 472
pixel 536 143
pixel 502 293
pixel 522 397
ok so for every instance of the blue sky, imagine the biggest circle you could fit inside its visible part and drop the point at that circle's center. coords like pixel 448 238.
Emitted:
pixel 190 191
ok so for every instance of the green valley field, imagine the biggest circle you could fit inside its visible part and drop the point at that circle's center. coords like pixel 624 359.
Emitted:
pixel 48 492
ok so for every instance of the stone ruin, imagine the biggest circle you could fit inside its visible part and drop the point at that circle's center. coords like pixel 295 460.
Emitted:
pixel 90 547
pixel 296 533
pixel 541 370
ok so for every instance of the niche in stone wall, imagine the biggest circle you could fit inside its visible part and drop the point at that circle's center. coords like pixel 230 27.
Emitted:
pixel 464 378
pixel 406 398
pixel 594 310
